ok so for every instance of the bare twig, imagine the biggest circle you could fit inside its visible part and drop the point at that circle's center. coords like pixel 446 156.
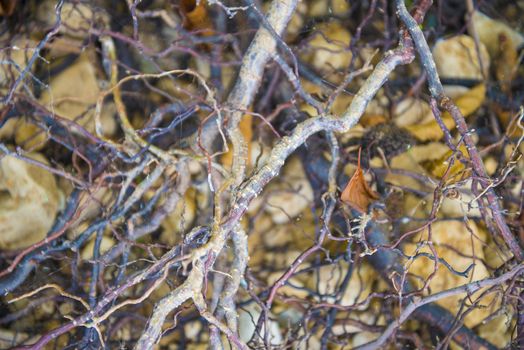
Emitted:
pixel 250 76
pixel 468 288
pixel 437 91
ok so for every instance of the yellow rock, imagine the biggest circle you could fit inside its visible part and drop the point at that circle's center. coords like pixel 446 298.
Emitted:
pixel 369 316
pixel 30 136
pixel 329 47
pixel 495 256
pixel 411 111
pixel 65 309
pixel 8 337
pixel 77 18
pixel 294 289
pixel 92 204
pixel 73 90
pixel 456 243
pixel 105 245
pixel 457 58
pixel 311 341
pixel 247 321
pixel 379 104
pixel 296 22
pixel 70 94
pixel 281 261
pixel 19 52
pixel 180 220
pixel 454 92
pixel 192 330
pixel 362 338
pixel 323 8
pixel 491 165
pixel 29 201
pixel 459 203
pixel 329 278
pixel 497 331
pixel 415 207
pixel 467 103
pixel 450 166
pixel 489 31
pixel 411 160
pixel 258 154
pixel 26 134
pixel 262 224
pixel 286 200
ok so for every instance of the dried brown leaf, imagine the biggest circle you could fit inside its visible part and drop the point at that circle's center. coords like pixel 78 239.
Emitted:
pixel 357 193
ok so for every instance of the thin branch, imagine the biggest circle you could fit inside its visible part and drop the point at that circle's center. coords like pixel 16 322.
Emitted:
pixel 437 92
pixel 468 288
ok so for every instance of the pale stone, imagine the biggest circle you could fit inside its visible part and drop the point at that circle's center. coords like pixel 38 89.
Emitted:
pixel 105 244
pixel 491 165
pixel 18 54
pixel 192 329
pixel 329 47
pixel 410 111
pixel 489 31
pixel 457 58
pixel 76 18
pixel 180 219
pixel 468 240
pixel 286 200
pixel 368 316
pixel 329 277
pixel 259 154
pixel 9 337
pixel 247 320
pixel 363 338
pixel 307 343
pixel 498 330
pixel 29 201
pixel 328 8
pixel 72 91
pixel 92 204
pixel 297 21
pixel 295 288
pixel 461 204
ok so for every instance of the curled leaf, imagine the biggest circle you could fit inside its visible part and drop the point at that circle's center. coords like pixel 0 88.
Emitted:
pixel 357 194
